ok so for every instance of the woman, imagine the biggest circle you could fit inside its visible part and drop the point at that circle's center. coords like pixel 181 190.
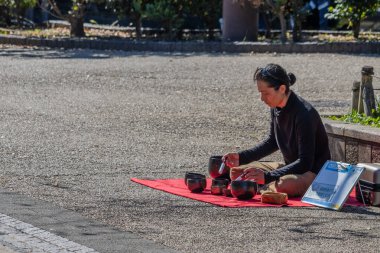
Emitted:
pixel 296 129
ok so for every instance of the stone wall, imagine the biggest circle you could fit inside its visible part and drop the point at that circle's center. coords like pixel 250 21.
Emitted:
pixel 353 143
pixel 195 46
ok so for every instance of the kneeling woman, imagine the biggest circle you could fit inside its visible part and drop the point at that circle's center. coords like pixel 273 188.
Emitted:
pixel 296 129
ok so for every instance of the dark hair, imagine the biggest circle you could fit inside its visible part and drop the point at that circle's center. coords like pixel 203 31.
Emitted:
pixel 275 76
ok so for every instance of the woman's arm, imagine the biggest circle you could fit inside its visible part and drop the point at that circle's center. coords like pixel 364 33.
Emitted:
pixel 265 148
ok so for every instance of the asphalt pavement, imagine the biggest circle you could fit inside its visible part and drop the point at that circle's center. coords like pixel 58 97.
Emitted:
pixel 35 226
pixel 76 125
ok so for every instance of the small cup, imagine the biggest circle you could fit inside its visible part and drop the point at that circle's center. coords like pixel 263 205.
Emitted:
pixel 218 185
pixel 196 185
pixel 220 182
pixel 227 192
pixel 217 189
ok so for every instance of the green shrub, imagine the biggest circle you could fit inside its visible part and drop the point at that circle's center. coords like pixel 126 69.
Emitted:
pixel 14 9
pixel 353 12
pixel 360 118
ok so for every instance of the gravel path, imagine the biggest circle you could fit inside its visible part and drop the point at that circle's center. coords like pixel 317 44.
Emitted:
pixel 76 125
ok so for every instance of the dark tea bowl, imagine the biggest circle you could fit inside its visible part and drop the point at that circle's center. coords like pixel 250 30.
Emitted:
pixel 218 185
pixel 220 182
pixel 227 192
pixel 214 165
pixel 193 175
pixel 196 185
pixel 243 189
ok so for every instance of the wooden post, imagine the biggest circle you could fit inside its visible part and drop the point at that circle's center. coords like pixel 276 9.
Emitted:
pixel 360 100
pixel 355 97
pixel 367 89
pixel 240 22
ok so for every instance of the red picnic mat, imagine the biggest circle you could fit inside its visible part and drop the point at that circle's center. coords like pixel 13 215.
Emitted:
pixel 178 187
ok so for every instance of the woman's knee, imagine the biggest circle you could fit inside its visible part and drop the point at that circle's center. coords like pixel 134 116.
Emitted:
pixel 286 186
pixel 293 185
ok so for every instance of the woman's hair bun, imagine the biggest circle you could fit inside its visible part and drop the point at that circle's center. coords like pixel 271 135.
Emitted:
pixel 292 79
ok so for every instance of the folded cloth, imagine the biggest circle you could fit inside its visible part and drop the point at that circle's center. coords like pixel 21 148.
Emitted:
pixel 278 198
pixel 177 186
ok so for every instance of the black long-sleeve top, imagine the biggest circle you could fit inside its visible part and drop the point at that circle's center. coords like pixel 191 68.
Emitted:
pixel 297 130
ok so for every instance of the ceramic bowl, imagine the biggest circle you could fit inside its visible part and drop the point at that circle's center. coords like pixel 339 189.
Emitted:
pixel 217 189
pixel 243 189
pixel 220 182
pixel 193 175
pixel 227 192
pixel 218 185
pixel 214 166
pixel 196 185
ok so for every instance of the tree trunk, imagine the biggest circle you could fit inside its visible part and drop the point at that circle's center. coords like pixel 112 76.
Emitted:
pixel 239 23
pixel 211 35
pixel 297 29
pixel 168 26
pixel 45 13
pixel 6 15
pixel 18 13
pixel 76 27
pixel 210 26
pixel 283 25
pixel 268 26
pixel 356 29
pixel 138 26
pixel 179 34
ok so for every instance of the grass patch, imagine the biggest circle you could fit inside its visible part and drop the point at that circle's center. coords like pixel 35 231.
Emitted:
pixel 360 118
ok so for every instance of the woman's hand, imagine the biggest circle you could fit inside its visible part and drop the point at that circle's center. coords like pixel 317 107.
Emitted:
pixel 236 172
pixel 254 174
pixel 231 159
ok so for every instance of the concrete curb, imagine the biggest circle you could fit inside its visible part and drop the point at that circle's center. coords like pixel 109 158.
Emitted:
pixel 353 143
pixel 197 47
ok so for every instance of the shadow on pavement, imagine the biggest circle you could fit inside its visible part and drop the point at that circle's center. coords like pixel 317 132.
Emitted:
pixel 359 210
pixel 49 53
pixel 54 53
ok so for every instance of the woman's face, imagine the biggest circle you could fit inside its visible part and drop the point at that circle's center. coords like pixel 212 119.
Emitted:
pixel 270 96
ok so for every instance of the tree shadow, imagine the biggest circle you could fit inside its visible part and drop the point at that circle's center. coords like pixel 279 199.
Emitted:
pixel 46 53
pixel 84 53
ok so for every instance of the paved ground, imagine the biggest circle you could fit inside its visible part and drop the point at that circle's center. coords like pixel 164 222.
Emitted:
pixel 76 125
pixel 18 236
pixel 58 230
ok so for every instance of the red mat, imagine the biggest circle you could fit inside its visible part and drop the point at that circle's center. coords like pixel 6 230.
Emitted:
pixel 178 187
